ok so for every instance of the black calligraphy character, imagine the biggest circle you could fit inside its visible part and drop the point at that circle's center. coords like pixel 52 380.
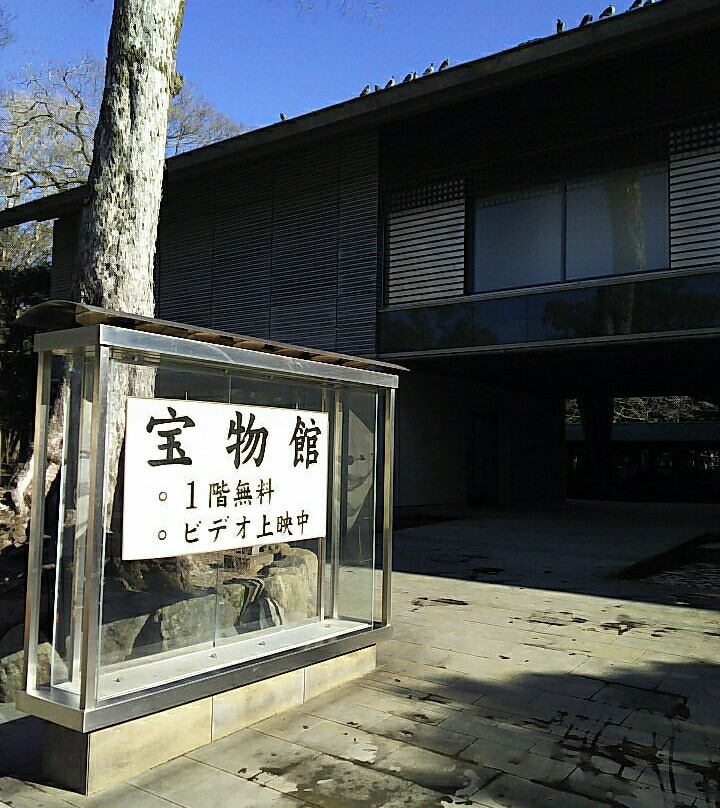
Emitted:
pixel 219 491
pixel 302 520
pixel 265 490
pixel 248 440
pixel 189 531
pixel 242 527
pixel 305 440
pixel 266 525
pixel 284 523
pixel 217 526
pixel 243 495
pixel 174 453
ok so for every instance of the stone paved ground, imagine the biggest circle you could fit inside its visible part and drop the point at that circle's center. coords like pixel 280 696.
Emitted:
pixel 488 694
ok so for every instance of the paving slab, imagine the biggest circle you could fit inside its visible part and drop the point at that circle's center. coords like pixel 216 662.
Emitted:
pixel 437 772
pixel 250 754
pixel 571 694
pixel 328 782
pixel 193 784
pixel 508 791
pixel 425 736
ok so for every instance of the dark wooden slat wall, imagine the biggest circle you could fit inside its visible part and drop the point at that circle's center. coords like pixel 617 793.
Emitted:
pixel 185 250
pixel 358 249
pixel 284 248
pixel 65 234
pixel 425 253
pixel 305 247
pixel 241 271
pixel 558 127
pixel 694 204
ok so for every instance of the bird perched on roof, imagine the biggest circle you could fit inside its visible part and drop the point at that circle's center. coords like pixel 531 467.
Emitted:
pixel 430 69
pixel 636 4
pixel 409 77
pixel 560 26
pixel 586 20
pixel 282 116
pixel 609 11
pixel 391 83
pixel 377 88
pixel 445 64
pixel 365 90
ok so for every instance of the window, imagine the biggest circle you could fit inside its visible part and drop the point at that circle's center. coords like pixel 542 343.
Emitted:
pixel 608 225
pixel 618 224
pixel 518 240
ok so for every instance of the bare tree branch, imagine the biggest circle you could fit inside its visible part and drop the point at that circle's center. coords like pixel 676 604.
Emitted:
pixel 48 119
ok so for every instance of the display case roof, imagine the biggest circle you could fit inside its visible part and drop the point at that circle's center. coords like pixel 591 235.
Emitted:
pixel 55 315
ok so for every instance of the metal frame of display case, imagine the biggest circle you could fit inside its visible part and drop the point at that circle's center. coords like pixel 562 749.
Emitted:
pixel 103 342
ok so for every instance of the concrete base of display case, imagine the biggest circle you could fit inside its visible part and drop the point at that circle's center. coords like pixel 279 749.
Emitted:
pixel 92 761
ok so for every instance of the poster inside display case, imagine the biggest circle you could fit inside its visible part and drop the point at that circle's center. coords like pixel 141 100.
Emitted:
pixel 203 477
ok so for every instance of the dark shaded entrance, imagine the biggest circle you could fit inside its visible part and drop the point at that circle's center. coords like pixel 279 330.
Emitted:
pixel 495 421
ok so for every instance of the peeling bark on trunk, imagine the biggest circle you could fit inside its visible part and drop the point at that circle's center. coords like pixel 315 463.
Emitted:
pixel 119 224
pixel 118 228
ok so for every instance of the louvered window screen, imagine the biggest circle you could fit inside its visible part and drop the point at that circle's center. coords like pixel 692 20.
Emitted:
pixel 695 197
pixel 425 253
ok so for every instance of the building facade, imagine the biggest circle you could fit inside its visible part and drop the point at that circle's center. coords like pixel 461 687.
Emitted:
pixel 537 225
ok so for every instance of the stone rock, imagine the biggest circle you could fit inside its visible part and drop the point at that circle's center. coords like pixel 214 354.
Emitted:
pixel 118 638
pixel 12 655
pixel 240 593
pixel 307 561
pixel 248 566
pixel 262 613
pixel 188 622
pixel 288 587
pixel 274 549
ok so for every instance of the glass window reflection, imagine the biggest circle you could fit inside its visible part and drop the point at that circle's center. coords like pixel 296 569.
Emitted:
pixel 518 240
pixel 618 224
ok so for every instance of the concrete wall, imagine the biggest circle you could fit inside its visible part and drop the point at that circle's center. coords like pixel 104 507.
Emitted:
pixel 462 443
pixel 430 441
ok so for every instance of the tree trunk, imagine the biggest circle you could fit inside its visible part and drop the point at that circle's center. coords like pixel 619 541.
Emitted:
pixel 118 229
pixel 119 224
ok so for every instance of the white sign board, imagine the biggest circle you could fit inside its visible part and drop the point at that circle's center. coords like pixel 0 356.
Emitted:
pixel 202 477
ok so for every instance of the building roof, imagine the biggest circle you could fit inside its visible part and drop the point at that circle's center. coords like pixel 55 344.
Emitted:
pixel 624 32
pixel 55 315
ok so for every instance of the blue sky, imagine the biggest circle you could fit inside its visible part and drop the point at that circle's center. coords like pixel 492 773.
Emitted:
pixel 254 58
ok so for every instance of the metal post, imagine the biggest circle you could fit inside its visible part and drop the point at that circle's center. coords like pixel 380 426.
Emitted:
pixel 95 532
pixel 37 520
pixel 338 466
pixel 325 407
pixel 388 507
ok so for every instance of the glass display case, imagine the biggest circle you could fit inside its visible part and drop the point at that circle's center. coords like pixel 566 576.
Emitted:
pixel 222 513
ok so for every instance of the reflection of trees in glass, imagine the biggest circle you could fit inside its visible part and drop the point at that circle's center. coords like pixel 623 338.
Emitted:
pixel 681 304
pixel 634 308
pixel 627 223
pixel 654 409
pixel 602 312
pixel 432 328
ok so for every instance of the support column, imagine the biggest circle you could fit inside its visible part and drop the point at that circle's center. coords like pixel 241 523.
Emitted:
pixel 597 422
